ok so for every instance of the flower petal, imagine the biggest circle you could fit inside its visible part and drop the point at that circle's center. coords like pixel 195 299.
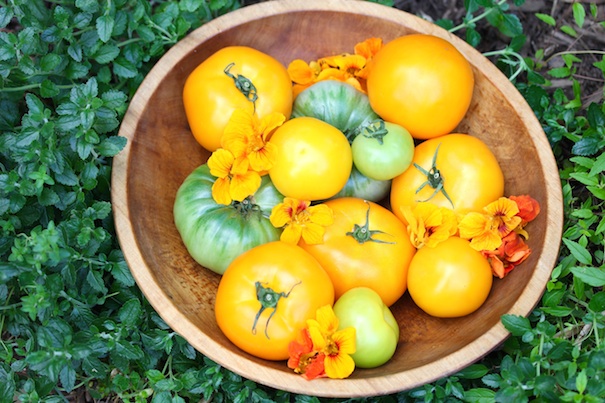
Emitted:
pixel 321 214
pixel 220 191
pixel 313 234
pixel 244 185
pixel 220 163
pixel 339 366
pixel 291 234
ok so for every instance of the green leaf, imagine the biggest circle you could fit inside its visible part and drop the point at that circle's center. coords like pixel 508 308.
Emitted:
pixel 111 146
pixel 569 31
pixel 579 13
pixel 579 252
pixel 130 312
pixel 546 19
pixel 592 276
pixel 124 68
pixel 517 325
pixel 479 395
pixel 106 53
pixel 105 24
pixel 597 191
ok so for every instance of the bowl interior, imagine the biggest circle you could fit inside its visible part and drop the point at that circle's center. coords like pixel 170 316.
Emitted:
pixel 161 152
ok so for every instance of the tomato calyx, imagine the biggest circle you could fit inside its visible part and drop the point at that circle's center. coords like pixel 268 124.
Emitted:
pixel 374 132
pixel 268 299
pixel 434 179
pixel 246 207
pixel 243 84
pixel 363 233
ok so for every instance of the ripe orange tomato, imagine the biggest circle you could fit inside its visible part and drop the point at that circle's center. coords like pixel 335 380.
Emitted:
pixel 450 280
pixel 314 159
pixel 466 168
pixel 366 246
pixel 210 94
pixel 267 294
pixel 421 82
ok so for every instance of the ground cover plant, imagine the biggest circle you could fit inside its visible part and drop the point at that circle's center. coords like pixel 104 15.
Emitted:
pixel 75 326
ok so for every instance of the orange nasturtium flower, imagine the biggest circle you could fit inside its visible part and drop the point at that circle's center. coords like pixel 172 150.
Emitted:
pixel 486 230
pixel 301 219
pixel 429 224
pixel 512 252
pixel 345 67
pixel 233 181
pixel 322 344
pixel 247 137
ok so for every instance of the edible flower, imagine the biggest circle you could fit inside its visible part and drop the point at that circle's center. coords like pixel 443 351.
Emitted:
pixel 322 344
pixel 486 230
pixel 300 219
pixel 429 224
pixel 512 252
pixel 234 180
pixel 351 68
pixel 247 137
pixel 499 232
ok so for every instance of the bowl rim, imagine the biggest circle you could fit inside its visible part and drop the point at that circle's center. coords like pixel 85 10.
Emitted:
pixel 255 371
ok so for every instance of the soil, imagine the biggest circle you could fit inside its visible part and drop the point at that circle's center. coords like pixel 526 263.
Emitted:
pixel 588 45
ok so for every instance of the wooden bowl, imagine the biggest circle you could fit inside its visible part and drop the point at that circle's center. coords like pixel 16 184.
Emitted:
pixel 161 152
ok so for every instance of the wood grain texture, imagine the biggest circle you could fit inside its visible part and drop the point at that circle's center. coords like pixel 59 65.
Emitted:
pixel 161 152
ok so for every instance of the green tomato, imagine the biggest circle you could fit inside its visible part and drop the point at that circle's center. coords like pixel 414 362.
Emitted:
pixel 383 150
pixel 377 331
pixel 362 187
pixel 215 234
pixel 338 104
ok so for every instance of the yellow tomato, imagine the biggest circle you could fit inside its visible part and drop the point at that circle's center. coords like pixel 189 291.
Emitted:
pixel 266 296
pixel 366 246
pixel 314 159
pixel 450 280
pixel 210 94
pixel 421 82
pixel 465 168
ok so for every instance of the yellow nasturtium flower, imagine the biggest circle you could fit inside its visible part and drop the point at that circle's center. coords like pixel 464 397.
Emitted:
pixel 300 219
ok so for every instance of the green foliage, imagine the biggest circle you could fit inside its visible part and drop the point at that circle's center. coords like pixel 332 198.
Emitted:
pixel 71 315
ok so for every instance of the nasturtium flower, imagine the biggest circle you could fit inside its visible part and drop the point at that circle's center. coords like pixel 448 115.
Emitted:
pixel 336 345
pixel 486 230
pixel 512 252
pixel 429 224
pixel 247 137
pixel 368 50
pixel 300 219
pixel 304 359
pixel 233 181
pixel 529 208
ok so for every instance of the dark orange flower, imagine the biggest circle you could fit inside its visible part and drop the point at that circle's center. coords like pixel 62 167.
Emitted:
pixel 529 207
pixel 512 252
pixel 304 359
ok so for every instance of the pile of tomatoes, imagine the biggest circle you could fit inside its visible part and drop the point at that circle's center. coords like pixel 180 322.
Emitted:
pixel 418 90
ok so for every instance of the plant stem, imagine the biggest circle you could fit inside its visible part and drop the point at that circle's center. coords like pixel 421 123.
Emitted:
pixel 476 18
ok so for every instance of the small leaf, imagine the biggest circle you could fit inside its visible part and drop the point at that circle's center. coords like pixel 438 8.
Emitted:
pixel 105 25
pixel 569 31
pixel 592 276
pixel 479 395
pixel 579 13
pixel 111 146
pixel 517 325
pixel 579 252
pixel 546 19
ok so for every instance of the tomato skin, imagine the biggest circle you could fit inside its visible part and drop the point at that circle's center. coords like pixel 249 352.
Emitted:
pixel 381 266
pixel 285 268
pixel 386 158
pixel 421 82
pixel 360 186
pixel 471 175
pixel 450 280
pixel 227 231
pixel 210 96
pixel 336 103
pixel 314 159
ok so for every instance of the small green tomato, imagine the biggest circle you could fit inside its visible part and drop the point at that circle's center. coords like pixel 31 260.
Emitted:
pixel 383 150
pixel 377 331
